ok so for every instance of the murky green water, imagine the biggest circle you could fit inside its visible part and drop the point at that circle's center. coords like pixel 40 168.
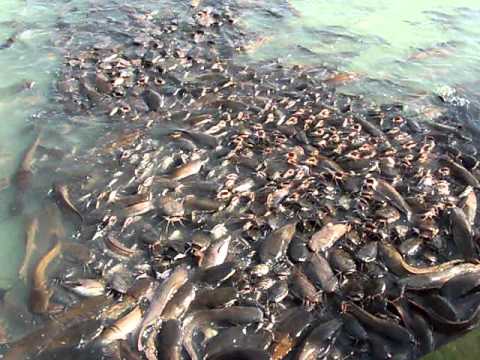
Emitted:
pixel 394 51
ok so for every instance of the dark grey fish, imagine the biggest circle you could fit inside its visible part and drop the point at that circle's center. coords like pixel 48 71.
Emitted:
pixel 319 271
pixel 213 298
pixel 320 340
pixel 462 233
pixel 461 172
pixel 10 41
pixel 385 327
pixel 180 302
pixel 153 100
pixel 162 296
pixel 276 244
pixel 460 285
pixel 232 315
pixel 170 340
pixel 237 338
pixel 241 354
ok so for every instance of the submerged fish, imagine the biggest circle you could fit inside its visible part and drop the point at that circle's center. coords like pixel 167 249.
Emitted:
pixel 30 247
pixel 63 196
pixel 40 293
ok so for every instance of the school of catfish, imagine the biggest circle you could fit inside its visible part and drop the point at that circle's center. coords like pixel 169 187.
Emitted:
pixel 232 210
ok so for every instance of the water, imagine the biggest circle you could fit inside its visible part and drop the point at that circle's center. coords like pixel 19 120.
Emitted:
pixel 394 51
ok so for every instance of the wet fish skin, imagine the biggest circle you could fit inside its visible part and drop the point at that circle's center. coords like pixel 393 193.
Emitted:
pixel 237 337
pixel 30 246
pixel 86 287
pixel 388 328
pixel 442 323
pixel 342 261
pixel 201 138
pixel 138 209
pixel 460 171
pixel 395 262
pixel 370 128
pixel 215 275
pixel 193 202
pixel 63 196
pixel 293 322
pixel 441 305
pixel 232 315
pixel 28 345
pixel 437 279
pixel 39 299
pixel 162 296
pixel 213 298
pixel 462 233
pixel 327 236
pixel 153 99
pixel 23 176
pixel 354 327
pixel 469 206
pixel 170 206
pixel 241 354
pixel 301 286
pixel 423 333
pixel 29 154
pixel 82 333
pixel 180 302
pixel 460 285
pixel 170 340
pixel 289 330
pixel 276 244
pixel 9 42
pixel 183 171
pixel 391 194
pixel 215 254
pixel 318 343
pixel 123 327
pixel 319 271
pixel 117 247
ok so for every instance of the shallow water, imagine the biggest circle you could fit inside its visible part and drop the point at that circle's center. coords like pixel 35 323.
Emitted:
pixel 403 51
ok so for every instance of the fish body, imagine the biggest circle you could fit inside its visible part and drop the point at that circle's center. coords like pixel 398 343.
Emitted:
pixel 462 233
pixel 170 340
pixel 328 235
pixel 40 293
pixel 395 262
pixel 86 287
pixel 123 327
pixel 216 253
pixel 469 206
pixel 180 302
pixel 183 171
pixel 162 296
pixel 30 247
pixel 63 196
pixel 387 328
pixel 387 191
pixel 319 342
pixel 276 244
pixel 319 271
pixel 241 315
pixel 461 172
pixel 437 279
